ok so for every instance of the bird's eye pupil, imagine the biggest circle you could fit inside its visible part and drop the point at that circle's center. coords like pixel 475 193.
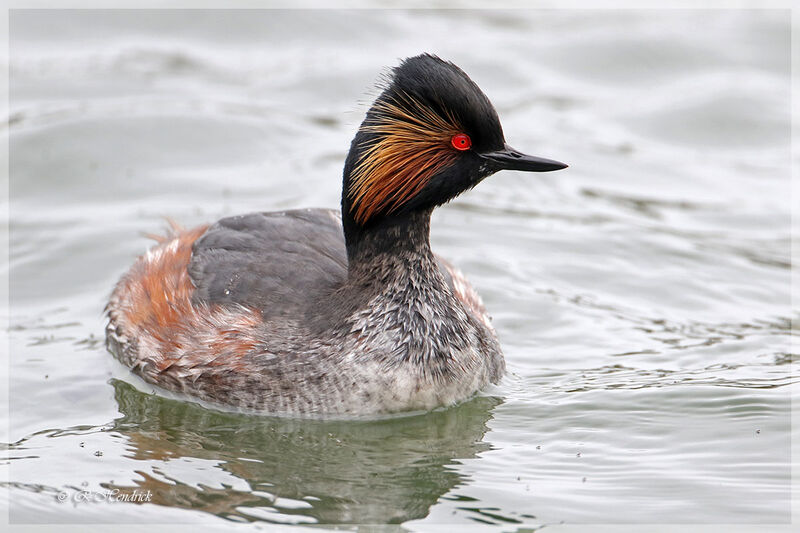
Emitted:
pixel 461 141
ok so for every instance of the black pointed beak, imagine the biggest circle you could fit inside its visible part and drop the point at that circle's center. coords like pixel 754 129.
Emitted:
pixel 510 159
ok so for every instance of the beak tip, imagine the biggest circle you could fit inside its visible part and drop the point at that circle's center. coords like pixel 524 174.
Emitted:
pixel 551 166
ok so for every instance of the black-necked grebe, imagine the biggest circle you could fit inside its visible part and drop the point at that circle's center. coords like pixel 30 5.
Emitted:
pixel 315 312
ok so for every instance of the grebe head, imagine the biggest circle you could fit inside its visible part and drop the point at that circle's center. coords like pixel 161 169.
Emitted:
pixel 430 135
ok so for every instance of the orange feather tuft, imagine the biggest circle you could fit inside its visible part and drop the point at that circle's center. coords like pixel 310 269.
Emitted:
pixel 153 303
pixel 413 145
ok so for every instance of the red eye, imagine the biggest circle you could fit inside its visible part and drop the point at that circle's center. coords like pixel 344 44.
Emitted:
pixel 461 141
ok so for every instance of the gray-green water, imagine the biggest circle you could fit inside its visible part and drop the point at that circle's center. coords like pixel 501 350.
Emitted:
pixel 642 296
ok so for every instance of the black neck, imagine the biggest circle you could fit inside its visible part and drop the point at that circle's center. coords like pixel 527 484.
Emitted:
pixel 389 241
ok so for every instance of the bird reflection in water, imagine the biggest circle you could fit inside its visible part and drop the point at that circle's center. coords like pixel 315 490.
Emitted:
pixel 299 471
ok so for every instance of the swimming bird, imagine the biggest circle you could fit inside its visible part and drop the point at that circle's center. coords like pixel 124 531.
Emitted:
pixel 321 312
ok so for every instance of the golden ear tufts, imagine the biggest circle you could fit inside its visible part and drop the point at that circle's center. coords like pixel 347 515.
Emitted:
pixel 412 145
